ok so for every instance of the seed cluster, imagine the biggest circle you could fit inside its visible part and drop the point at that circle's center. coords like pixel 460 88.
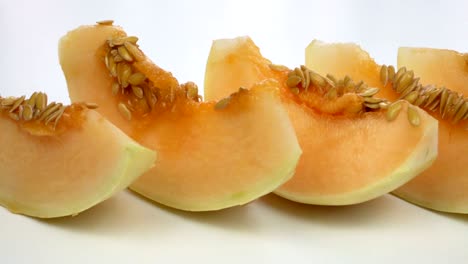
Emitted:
pixel 450 105
pixel 122 53
pixel 35 108
pixel 331 88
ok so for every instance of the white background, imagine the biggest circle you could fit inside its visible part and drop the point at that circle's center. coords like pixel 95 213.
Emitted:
pixel 177 36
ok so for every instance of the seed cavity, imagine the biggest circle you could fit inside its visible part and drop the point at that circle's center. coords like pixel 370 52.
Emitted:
pixel 138 90
pixel 34 108
pixel 448 104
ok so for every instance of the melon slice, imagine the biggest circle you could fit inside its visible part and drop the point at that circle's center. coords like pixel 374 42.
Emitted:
pixel 211 155
pixel 351 153
pixel 444 186
pixel 63 163
pixel 346 59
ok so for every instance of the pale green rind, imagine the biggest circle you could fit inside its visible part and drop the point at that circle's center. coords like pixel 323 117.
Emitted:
pixel 423 155
pixel 279 176
pixel 133 162
pixel 448 208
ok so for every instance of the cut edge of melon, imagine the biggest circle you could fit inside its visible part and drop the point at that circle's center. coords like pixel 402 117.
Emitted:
pixel 261 189
pixel 134 161
pixel 457 209
pixel 423 155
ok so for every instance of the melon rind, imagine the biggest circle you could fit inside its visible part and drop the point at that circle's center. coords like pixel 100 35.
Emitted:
pixel 444 186
pixel 188 140
pixel 40 189
pixel 421 158
pixel 244 65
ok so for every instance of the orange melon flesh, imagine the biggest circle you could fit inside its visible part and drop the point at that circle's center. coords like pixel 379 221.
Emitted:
pixel 444 186
pixel 341 59
pixel 345 160
pixel 64 174
pixel 207 159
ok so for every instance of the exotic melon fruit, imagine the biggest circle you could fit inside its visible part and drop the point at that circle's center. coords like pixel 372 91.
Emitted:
pixel 211 155
pixel 444 186
pixel 59 160
pixel 355 146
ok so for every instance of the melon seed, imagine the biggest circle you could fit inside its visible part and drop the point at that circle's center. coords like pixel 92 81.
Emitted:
pixel 421 99
pixel 137 91
pixel 295 90
pixel 8 101
pixel 105 22
pixel 412 96
pixel 398 75
pixel 462 111
pixel 413 116
pixel 384 74
pixel 136 78
pixel 124 53
pixel 123 109
pixel 223 103
pixel 91 105
pixel 293 81
pixel 134 51
pixel 17 103
pixel 369 92
pixel 405 80
pixel 27 112
pixel 41 101
pixel 393 110
pixel 391 72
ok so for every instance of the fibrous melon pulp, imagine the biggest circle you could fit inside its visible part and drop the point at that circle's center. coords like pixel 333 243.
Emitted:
pixel 351 151
pixel 59 160
pixel 211 155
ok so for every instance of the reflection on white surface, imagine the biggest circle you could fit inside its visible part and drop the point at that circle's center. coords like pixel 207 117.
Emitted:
pixel 177 36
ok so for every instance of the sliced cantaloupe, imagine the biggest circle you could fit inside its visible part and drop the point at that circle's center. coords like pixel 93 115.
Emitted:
pixel 61 162
pixel 211 155
pixel 346 59
pixel 351 153
pixel 444 186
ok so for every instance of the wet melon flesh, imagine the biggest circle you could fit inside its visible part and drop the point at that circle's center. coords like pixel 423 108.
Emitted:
pixel 64 174
pixel 341 59
pixel 345 160
pixel 208 158
pixel 444 186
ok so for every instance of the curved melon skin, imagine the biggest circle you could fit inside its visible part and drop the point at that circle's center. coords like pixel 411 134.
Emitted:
pixel 350 161
pixel 444 186
pixel 212 160
pixel 65 174
pixel 207 159
pixel 345 160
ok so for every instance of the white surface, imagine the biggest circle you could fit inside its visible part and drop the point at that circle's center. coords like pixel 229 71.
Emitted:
pixel 177 36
